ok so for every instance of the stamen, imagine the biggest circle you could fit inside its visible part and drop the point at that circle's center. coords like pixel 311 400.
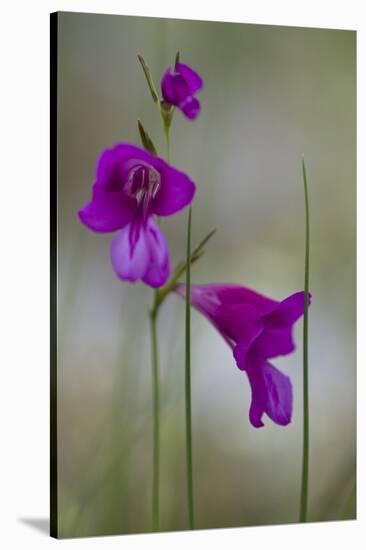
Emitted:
pixel 143 183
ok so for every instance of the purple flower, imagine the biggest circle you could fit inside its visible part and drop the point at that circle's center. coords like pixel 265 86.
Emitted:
pixel 131 186
pixel 179 86
pixel 256 328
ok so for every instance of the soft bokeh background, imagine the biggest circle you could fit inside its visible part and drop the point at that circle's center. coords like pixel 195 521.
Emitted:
pixel 271 93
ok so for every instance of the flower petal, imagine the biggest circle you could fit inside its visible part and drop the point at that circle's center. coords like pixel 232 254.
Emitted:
pixel 130 253
pixel 176 190
pixel 276 339
pixel 274 342
pixel 191 107
pixel 271 394
pixel 192 78
pixel 167 86
pixel 240 353
pixel 158 269
pixel 239 323
pixel 288 311
pixel 114 164
pixel 107 211
pixel 174 88
pixel 209 297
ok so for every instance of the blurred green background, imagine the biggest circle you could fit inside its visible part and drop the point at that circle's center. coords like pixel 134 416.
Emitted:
pixel 271 93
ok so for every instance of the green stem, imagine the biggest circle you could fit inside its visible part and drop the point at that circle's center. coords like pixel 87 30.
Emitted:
pixel 305 456
pixel 155 388
pixel 163 292
pixel 188 376
pixel 156 429
pixel 167 139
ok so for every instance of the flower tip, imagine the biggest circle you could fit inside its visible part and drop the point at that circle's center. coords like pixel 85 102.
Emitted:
pixel 154 283
pixel 82 216
pixel 86 218
pixel 191 108
pixel 285 421
pixel 259 424
pixel 256 423
pixel 177 60
pixel 192 116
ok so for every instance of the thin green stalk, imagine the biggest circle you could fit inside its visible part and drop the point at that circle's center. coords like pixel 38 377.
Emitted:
pixel 163 292
pixel 188 376
pixel 167 122
pixel 155 389
pixel 305 456
pixel 156 420
pixel 167 139
pixel 159 297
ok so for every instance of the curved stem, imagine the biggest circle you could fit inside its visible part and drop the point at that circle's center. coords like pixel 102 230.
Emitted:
pixel 188 376
pixel 163 292
pixel 305 456
pixel 167 139
pixel 156 421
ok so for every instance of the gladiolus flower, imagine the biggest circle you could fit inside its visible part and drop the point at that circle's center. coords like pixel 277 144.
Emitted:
pixel 131 186
pixel 179 86
pixel 257 328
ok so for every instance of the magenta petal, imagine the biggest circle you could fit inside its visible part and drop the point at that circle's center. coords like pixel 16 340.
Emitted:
pixel 107 211
pixel 114 163
pixel 130 253
pixel 238 323
pixel 175 193
pixel 158 269
pixel 167 86
pixel 271 394
pixel 240 353
pixel 191 107
pixel 288 311
pixel 193 79
pixel 210 296
pixel 274 342
pixel 174 88
pixel 108 170
pixel 178 88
